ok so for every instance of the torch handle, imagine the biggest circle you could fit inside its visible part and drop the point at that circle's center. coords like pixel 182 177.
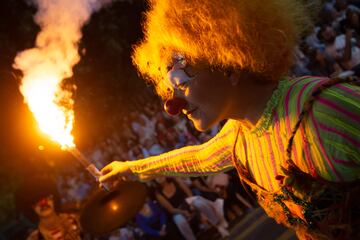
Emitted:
pixel 94 171
pixel 80 157
pixel 90 167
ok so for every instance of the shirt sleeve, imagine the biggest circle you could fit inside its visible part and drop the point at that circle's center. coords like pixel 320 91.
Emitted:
pixel 335 123
pixel 143 224
pixel 211 157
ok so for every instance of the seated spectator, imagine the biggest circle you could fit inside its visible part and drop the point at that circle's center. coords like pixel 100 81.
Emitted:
pixel 234 202
pixel 126 131
pixel 161 134
pixel 172 198
pixel 134 149
pixel 351 21
pixel 312 40
pixel 333 45
pixel 127 232
pixel 301 61
pixel 329 14
pixel 319 65
pixel 201 188
pixel 142 127
pixel 153 221
pixel 341 48
pixel 341 6
pixel 151 148
pixel 173 194
pixel 38 200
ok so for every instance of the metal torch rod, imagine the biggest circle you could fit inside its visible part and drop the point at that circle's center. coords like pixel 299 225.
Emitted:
pixel 90 167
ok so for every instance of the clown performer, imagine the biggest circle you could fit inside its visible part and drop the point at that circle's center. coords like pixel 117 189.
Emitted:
pixel 295 142
pixel 39 201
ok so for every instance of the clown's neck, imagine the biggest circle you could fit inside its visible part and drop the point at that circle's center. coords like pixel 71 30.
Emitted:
pixel 256 110
pixel 252 101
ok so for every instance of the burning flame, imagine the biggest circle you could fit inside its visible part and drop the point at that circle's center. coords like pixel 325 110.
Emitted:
pixel 45 66
pixel 42 93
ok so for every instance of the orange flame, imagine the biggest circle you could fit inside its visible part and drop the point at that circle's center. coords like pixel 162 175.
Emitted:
pixel 41 94
pixel 45 66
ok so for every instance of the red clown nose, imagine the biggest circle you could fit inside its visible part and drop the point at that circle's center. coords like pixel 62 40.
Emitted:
pixel 174 106
pixel 44 202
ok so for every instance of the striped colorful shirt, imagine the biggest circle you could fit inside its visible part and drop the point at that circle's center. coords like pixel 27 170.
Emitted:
pixel 327 145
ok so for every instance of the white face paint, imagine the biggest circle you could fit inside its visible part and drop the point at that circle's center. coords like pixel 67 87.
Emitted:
pixel 205 92
pixel 177 76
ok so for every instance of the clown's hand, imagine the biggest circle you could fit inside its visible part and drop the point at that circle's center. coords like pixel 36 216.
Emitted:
pixel 115 172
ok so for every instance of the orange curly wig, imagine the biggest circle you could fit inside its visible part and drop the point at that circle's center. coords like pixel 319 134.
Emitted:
pixel 255 35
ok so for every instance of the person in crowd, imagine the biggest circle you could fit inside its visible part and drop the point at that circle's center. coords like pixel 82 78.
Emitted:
pixel 151 148
pixel 329 15
pixel 351 21
pixel 176 197
pixel 340 48
pixel 228 189
pixel 38 200
pixel 295 142
pixel 333 43
pixel 200 187
pixel 301 62
pixel 320 65
pixel 172 198
pixel 152 219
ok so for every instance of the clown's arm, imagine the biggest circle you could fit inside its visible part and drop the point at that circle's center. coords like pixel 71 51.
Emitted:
pixel 211 157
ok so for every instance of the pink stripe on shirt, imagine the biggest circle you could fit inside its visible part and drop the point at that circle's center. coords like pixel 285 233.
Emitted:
pixel 348 90
pixel 317 132
pixel 264 163
pixel 308 160
pixel 341 134
pixel 333 106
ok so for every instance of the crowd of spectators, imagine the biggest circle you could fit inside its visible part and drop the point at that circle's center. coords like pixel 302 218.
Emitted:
pixel 331 49
pixel 197 205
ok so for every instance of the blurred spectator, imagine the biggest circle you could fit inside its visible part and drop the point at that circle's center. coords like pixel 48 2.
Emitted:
pixel 319 65
pixel 328 13
pixel 38 199
pixel 178 199
pixel 152 219
pixel 312 41
pixel 230 192
pixel 301 62
pixel 172 197
pixel 151 148
pixel 201 188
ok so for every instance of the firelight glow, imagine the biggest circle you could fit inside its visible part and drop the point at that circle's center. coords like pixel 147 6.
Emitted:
pixel 42 94
pixel 50 61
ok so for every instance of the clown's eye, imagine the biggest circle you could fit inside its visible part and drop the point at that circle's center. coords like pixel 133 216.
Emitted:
pixel 182 86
